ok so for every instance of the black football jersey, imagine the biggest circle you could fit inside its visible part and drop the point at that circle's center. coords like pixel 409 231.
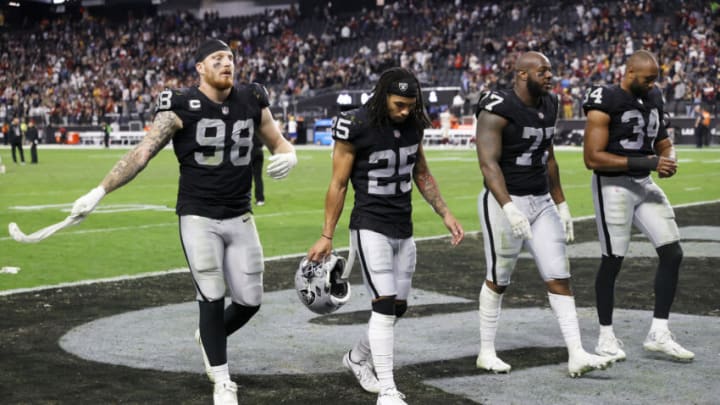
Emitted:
pixel 635 123
pixel 525 139
pixel 382 172
pixel 213 149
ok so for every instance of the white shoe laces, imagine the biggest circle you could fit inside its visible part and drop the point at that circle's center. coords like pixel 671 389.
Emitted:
pixel 393 392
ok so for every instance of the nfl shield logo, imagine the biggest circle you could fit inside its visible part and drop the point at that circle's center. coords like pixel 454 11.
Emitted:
pixel 403 86
pixel 396 133
pixel 225 110
pixel 541 115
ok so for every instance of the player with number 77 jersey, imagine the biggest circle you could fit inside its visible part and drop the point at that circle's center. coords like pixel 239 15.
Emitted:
pixel 523 206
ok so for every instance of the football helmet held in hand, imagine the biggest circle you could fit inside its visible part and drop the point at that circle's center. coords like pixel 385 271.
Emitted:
pixel 319 286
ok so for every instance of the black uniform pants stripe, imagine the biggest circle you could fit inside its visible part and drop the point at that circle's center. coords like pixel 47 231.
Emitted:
pixel 187 260
pixel 488 225
pixel 603 223
pixel 363 262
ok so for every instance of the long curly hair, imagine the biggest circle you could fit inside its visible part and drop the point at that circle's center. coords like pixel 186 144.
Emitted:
pixel 377 104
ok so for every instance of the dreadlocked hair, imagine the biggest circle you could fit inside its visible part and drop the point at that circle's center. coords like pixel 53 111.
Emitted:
pixel 377 104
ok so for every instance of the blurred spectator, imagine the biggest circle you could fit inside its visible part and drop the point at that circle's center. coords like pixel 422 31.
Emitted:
pixel 81 71
pixel 33 137
pixel 702 126
pixel 16 139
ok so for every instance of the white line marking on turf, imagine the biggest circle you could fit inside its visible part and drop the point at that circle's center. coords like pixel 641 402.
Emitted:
pixel 267 259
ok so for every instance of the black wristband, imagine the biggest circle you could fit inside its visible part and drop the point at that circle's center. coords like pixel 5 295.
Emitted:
pixel 643 163
pixel 325 236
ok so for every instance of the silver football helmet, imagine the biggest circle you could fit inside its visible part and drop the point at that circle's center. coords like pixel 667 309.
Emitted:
pixel 319 286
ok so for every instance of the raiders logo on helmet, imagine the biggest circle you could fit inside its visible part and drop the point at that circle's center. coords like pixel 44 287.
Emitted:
pixel 319 285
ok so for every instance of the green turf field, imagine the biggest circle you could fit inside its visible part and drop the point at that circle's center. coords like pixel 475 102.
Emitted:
pixel 134 230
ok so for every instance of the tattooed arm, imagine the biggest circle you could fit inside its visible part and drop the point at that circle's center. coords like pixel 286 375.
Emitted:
pixel 164 126
pixel 429 189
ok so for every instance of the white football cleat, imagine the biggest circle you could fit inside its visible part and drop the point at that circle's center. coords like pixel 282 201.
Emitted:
pixel 583 362
pixel 225 393
pixel 391 397
pixel 492 363
pixel 364 373
pixel 664 342
pixel 208 370
pixel 610 346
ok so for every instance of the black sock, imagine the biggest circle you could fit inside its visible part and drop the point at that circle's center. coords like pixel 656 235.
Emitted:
pixel 212 331
pixel 605 287
pixel 666 278
pixel 236 316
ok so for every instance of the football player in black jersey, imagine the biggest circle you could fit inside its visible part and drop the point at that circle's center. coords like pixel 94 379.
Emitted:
pixel 523 197
pixel 211 127
pixel 625 140
pixel 378 147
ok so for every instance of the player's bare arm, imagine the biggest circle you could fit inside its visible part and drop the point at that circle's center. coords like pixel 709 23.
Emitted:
pixel 271 136
pixel 489 147
pixel 427 185
pixel 164 126
pixel 429 189
pixel 343 159
pixel 556 191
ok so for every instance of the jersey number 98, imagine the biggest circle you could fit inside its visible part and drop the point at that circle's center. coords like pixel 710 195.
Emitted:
pixel 241 142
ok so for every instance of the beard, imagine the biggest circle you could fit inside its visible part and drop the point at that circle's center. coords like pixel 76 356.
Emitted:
pixel 536 89
pixel 637 89
pixel 220 82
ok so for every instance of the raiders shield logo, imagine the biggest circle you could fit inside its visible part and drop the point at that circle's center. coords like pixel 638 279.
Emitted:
pixel 403 86
pixel 225 110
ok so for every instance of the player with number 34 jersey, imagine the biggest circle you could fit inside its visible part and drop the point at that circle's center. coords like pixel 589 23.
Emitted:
pixel 635 122
pixel 625 139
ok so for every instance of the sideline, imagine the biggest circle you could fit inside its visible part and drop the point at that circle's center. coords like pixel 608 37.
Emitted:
pixel 267 259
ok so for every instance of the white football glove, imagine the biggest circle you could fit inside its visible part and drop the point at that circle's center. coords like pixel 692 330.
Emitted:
pixel 87 203
pixel 567 221
pixel 518 221
pixel 281 165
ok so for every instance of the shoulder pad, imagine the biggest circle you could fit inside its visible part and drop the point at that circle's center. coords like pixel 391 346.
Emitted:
pixel 599 98
pixel 655 97
pixel 261 94
pixel 348 124
pixel 495 102
pixel 174 100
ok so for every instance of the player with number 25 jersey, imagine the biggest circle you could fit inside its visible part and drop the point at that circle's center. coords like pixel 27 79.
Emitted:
pixel 382 175
pixel 378 147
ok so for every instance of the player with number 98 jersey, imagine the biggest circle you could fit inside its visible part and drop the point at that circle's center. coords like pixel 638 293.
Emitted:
pixel 635 123
pixel 213 148
pixel 526 138
pixel 382 173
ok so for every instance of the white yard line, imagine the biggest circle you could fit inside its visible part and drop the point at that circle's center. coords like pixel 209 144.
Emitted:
pixel 267 259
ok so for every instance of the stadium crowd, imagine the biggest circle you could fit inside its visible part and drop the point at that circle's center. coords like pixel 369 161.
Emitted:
pixel 88 69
